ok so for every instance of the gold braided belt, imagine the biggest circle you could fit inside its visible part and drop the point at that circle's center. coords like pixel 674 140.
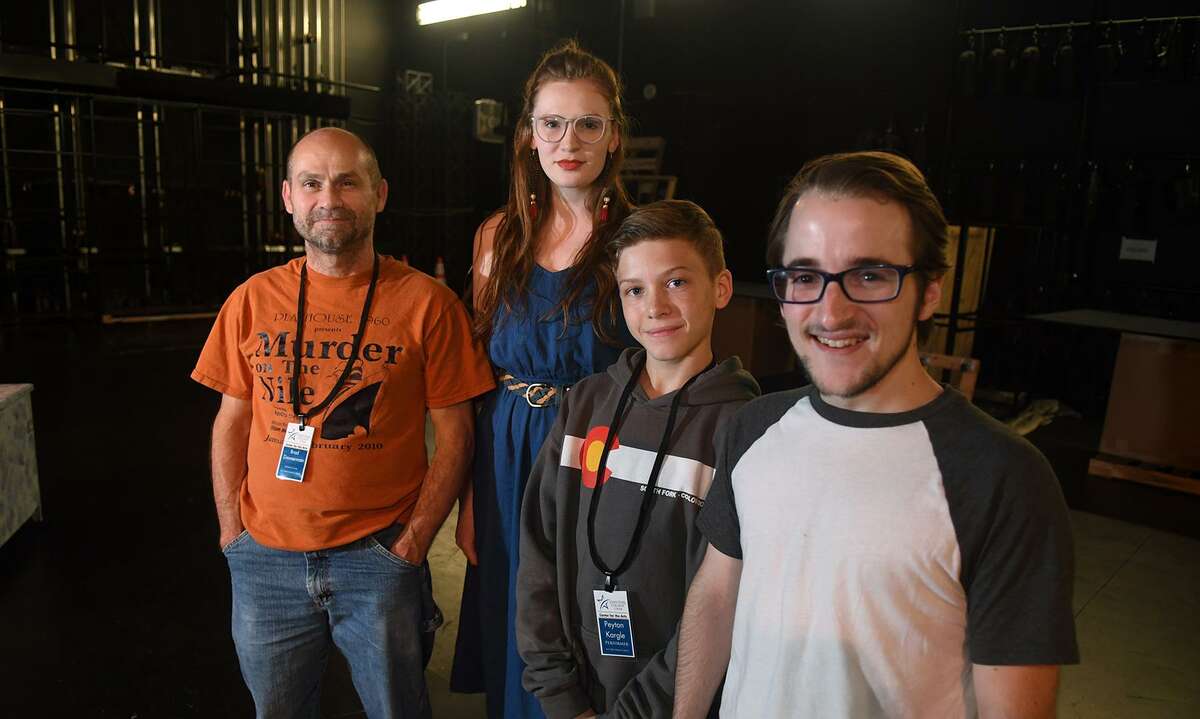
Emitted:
pixel 536 394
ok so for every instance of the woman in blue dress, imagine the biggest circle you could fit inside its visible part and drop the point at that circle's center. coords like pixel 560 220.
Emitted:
pixel 545 305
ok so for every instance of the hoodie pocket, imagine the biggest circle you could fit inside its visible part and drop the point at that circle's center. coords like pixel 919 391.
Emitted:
pixel 607 676
pixel 593 683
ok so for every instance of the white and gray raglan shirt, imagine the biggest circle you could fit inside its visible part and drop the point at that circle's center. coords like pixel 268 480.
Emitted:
pixel 883 555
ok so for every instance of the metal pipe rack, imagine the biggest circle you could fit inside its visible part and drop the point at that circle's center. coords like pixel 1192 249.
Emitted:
pixel 122 205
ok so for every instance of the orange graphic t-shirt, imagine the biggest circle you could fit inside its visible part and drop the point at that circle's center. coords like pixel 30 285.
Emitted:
pixel 367 460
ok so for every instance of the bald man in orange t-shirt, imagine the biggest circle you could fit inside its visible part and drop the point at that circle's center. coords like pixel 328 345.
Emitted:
pixel 327 506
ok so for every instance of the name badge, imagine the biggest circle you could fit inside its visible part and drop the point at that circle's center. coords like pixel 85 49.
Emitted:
pixel 613 623
pixel 293 458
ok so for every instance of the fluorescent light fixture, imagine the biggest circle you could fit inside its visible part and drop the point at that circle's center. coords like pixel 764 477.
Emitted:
pixel 443 10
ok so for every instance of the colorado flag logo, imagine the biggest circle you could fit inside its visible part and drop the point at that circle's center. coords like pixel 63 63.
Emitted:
pixel 680 476
pixel 590 450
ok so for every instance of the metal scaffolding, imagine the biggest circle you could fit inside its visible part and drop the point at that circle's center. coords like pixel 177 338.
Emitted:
pixel 431 213
pixel 119 203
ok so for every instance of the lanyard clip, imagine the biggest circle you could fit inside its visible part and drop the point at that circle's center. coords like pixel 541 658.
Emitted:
pixel 301 416
pixel 608 583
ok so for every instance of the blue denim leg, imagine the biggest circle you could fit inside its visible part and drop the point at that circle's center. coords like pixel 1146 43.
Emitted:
pixel 289 607
pixel 282 635
pixel 375 611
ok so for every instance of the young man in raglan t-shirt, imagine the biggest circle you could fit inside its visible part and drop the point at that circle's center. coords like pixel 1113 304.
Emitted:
pixel 326 504
pixel 877 546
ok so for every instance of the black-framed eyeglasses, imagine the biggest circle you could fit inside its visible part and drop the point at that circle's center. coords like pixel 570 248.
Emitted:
pixel 865 284
pixel 553 128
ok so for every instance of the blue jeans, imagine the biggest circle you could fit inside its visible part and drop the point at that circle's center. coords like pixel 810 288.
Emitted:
pixel 289 608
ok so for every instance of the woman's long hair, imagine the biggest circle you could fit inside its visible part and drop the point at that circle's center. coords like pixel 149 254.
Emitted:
pixel 513 246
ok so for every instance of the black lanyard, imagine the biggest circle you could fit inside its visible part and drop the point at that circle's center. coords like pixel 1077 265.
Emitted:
pixel 355 345
pixel 651 483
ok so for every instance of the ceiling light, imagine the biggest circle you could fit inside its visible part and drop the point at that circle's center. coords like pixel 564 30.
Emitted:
pixel 443 10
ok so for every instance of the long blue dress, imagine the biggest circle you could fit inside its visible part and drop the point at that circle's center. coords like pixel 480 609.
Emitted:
pixel 531 344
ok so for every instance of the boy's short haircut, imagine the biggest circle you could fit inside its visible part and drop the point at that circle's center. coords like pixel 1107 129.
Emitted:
pixel 671 220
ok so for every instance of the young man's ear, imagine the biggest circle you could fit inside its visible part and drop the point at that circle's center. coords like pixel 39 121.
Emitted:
pixel 931 298
pixel 724 285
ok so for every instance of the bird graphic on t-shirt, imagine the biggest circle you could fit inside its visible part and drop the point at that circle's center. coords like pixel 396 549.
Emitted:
pixel 352 413
pixel 355 410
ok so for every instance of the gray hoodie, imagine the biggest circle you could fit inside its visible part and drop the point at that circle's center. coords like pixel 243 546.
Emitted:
pixel 556 620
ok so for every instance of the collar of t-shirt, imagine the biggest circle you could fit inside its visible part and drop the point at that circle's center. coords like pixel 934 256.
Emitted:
pixel 874 420
pixel 346 282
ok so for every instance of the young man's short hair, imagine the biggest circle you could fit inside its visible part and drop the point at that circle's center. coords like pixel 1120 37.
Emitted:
pixel 671 220
pixel 872 174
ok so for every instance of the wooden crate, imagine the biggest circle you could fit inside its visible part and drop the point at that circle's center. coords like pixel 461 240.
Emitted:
pixel 1132 471
pixel 1154 404
pixel 973 287
pixel 20 495
pixel 751 328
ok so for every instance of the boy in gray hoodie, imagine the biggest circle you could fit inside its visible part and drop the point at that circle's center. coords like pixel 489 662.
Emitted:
pixel 608 537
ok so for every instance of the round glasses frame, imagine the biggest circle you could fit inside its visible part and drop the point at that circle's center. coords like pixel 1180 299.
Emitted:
pixel 569 123
pixel 830 277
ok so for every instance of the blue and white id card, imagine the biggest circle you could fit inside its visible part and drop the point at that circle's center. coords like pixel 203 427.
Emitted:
pixel 293 458
pixel 613 623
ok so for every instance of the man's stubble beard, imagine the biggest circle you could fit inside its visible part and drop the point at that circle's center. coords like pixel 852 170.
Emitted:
pixel 334 241
pixel 871 377
pixel 873 374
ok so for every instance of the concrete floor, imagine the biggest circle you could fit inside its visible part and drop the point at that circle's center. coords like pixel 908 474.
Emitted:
pixel 448 565
pixel 1137 613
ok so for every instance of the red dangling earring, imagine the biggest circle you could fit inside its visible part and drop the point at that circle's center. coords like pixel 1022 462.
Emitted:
pixel 532 206
pixel 604 210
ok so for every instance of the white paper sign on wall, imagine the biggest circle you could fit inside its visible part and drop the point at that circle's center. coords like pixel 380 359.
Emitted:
pixel 1138 250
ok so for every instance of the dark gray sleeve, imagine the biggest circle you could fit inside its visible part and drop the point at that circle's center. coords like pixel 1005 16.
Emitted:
pixel 718 519
pixel 1014 535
